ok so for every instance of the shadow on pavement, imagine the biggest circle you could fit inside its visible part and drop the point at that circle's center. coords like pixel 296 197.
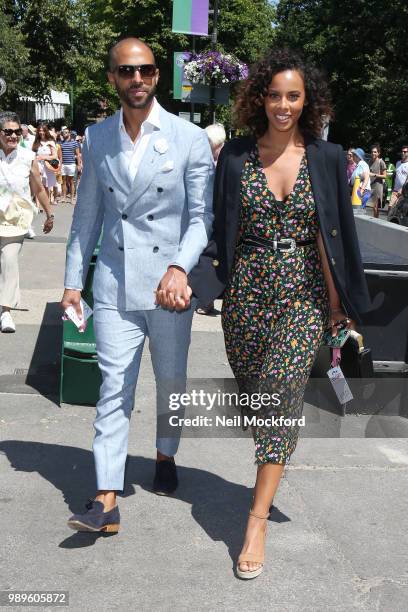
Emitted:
pixel 44 369
pixel 219 506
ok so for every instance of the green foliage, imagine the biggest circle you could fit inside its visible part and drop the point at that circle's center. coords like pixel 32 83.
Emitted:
pixel 360 45
pixel 245 28
pixel 64 44
pixel 14 67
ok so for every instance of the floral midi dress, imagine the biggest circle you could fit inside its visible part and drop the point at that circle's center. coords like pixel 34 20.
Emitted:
pixel 275 306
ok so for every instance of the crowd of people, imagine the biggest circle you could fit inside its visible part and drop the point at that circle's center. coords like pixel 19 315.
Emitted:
pixel 376 183
pixel 58 153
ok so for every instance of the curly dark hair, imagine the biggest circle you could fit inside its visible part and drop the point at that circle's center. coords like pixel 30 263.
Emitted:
pixel 249 110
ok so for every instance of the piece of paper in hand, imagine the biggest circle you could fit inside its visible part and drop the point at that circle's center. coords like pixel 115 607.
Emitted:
pixel 340 385
pixel 79 322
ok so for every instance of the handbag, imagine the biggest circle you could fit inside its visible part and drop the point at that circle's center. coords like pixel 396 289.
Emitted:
pixel 53 165
pixel 356 360
pixel 357 366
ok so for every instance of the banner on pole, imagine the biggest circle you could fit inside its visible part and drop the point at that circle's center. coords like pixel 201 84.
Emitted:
pixel 190 17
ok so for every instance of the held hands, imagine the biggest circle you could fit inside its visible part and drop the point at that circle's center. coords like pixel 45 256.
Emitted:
pixel 339 320
pixel 173 291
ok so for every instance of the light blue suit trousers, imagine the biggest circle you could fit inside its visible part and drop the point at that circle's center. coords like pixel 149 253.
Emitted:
pixel 120 337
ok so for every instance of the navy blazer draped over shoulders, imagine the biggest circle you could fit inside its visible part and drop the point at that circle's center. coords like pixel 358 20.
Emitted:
pixel 328 177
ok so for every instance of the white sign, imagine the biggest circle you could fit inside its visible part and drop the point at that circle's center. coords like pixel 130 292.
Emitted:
pixel 186 116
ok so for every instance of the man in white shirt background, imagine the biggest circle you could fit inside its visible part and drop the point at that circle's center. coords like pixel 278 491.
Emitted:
pixel 401 175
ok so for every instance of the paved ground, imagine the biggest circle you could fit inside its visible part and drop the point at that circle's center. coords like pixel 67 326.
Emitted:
pixel 337 537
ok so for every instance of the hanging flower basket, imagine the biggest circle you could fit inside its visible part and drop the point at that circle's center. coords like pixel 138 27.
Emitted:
pixel 213 67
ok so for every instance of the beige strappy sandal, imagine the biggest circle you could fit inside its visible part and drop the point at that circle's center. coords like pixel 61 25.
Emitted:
pixel 245 557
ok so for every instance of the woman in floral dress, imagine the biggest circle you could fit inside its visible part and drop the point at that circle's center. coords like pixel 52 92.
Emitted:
pixel 285 249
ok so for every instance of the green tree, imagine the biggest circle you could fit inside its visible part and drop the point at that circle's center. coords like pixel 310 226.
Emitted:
pixel 14 67
pixel 360 45
pixel 245 29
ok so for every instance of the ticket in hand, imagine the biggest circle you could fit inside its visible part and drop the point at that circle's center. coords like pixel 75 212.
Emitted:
pixel 71 313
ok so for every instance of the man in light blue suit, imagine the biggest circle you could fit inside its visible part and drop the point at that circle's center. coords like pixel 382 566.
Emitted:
pixel 147 180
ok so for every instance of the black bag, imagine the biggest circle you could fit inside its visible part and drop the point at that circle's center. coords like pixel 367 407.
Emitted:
pixel 356 361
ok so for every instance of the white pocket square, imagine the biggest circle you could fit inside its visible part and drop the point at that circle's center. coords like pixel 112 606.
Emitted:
pixel 169 165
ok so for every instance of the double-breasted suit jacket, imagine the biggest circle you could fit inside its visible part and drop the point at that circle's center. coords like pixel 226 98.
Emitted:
pixel 327 169
pixel 162 217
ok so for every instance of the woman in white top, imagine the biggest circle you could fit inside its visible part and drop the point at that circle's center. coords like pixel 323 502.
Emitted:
pixel 19 175
pixel 45 149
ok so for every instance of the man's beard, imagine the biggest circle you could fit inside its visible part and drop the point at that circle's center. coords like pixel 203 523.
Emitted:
pixel 123 94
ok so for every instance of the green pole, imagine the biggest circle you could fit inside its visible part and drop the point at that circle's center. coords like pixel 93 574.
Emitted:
pixel 214 39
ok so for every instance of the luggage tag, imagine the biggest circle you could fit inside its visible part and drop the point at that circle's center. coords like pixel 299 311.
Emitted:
pixel 81 323
pixel 336 376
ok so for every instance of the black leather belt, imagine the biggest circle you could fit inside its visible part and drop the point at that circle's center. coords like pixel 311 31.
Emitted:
pixel 287 245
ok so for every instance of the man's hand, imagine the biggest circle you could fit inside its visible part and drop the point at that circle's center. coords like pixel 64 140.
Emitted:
pixel 72 297
pixel 173 291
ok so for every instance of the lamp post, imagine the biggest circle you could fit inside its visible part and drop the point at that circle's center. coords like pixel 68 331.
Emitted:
pixel 214 39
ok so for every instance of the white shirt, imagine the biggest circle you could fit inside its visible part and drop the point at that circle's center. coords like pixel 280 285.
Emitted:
pixel 401 175
pixel 134 151
pixel 15 170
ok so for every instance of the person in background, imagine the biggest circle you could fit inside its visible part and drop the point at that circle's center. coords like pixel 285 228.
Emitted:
pixel 378 172
pixel 217 137
pixel 58 185
pixel 19 174
pixel 401 175
pixel 45 149
pixel 362 171
pixel 27 139
pixel 71 160
pixel 389 181
pixel 351 164
pixel 77 176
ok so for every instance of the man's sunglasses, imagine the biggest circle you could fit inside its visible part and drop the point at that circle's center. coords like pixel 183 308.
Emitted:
pixel 9 132
pixel 127 71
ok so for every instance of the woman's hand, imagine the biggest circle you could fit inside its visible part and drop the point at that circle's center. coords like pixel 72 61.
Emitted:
pixel 49 224
pixel 338 318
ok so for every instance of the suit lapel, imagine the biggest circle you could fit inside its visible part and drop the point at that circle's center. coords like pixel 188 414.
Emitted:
pixel 115 157
pixel 152 159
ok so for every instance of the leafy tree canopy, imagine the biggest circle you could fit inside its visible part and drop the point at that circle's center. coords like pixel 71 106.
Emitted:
pixel 360 45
